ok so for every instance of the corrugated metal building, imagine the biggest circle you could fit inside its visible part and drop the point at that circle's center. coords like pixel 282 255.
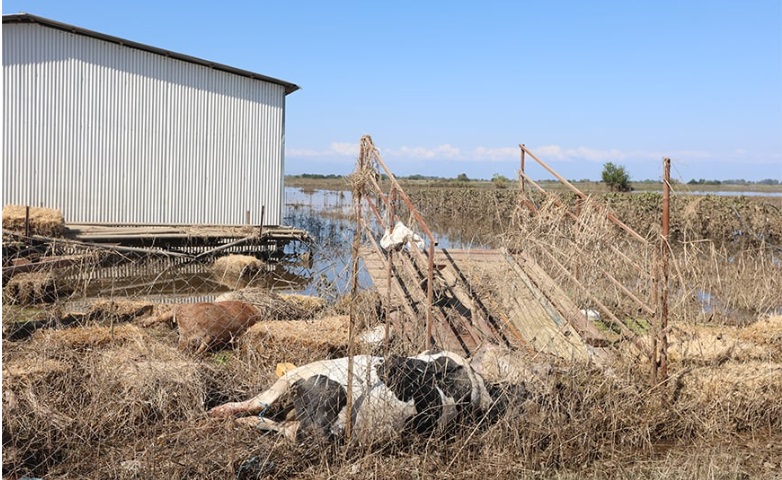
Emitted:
pixel 109 130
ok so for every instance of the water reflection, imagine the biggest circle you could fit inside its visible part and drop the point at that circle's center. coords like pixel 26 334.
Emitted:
pixel 718 193
pixel 326 216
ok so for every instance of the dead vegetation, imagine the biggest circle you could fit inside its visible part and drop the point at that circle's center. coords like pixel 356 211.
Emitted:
pixel 40 221
pixel 120 401
pixel 102 397
pixel 35 287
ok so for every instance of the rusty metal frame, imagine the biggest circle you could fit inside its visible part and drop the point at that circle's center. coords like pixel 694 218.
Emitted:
pixel 650 351
pixel 369 156
pixel 613 218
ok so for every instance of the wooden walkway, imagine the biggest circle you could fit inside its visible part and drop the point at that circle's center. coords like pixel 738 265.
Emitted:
pixel 484 296
pixel 140 234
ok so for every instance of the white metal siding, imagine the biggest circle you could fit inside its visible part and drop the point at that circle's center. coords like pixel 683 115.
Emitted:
pixel 108 133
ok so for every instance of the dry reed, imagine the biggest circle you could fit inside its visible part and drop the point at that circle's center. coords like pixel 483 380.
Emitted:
pixel 47 222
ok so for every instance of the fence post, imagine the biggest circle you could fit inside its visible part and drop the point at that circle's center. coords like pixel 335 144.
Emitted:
pixel 664 266
pixel 389 268
pixel 521 177
pixel 358 191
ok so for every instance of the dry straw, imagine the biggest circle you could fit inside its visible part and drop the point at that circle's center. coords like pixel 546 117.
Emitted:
pixel 236 271
pixel 47 222
pixel 35 288
pixel 272 306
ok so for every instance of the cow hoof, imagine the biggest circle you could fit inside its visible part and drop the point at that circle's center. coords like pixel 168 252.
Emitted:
pixel 249 421
pixel 226 410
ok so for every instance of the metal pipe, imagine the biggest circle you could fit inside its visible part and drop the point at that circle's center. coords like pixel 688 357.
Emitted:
pixel 581 194
pixel 664 266
pixel 580 222
pixel 389 268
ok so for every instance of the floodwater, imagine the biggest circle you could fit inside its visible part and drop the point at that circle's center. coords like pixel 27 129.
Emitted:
pixel 326 216
pixel 719 193
pixel 326 272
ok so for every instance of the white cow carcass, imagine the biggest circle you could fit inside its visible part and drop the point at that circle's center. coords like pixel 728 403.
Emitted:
pixel 425 394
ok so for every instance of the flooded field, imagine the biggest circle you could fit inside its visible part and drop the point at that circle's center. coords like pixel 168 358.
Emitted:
pixel 328 217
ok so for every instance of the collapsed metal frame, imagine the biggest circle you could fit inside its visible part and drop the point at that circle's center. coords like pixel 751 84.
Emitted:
pixel 367 176
pixel 657 352
pixel 384 208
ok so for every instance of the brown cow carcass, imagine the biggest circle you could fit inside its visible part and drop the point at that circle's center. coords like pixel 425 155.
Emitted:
pixel 209 325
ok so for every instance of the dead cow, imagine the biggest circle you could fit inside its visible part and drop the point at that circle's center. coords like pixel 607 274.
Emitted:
pixel 207 325
pixel 425 394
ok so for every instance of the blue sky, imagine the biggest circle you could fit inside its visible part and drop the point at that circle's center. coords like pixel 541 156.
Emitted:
pixel 450 87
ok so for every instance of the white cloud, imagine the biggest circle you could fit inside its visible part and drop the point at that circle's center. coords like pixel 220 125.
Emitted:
pixel 302 152
pixel 443 151
pixel 344 148
pixel 336 149
pixel 503 154
pixel 496 153
pixel 555 152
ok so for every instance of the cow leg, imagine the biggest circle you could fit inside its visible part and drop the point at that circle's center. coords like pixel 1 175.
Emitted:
pixel 254 405
pixel 287 429
pixel 167 317
pixel 203 345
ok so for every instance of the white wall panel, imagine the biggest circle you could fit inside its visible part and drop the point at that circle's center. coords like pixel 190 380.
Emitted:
pixel 109 133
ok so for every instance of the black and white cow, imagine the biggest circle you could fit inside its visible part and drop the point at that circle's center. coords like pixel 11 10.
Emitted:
pixel 424 394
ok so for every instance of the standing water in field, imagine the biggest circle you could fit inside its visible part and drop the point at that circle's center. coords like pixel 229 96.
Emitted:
pixel 327 215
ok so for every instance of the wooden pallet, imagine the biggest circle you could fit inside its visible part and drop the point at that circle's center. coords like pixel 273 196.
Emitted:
pixel 518 306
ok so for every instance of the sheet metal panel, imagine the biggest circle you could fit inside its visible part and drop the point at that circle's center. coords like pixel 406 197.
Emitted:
pixel 108 133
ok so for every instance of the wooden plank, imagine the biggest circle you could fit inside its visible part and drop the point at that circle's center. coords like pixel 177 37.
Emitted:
pixel 527 314
pixel 559 298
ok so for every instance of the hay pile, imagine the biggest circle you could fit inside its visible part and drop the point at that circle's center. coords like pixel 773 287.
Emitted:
pixel 299 341
pixel 145 384
pixel 766 332
pixel 309 306
pixel 35 288
pixel 699 344
pixel 367 304
pixel 65 389
pixel 118 310
pixel 728 399
pixel 47 222
pixel 727 379
pixel 237 271
pixel 270 305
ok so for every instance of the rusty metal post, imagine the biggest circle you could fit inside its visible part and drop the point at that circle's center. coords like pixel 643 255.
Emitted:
pixel 27 221
pixel 389 269
pixel 654 323
pixel 358 191
pixel 521 177
pixel 664 266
